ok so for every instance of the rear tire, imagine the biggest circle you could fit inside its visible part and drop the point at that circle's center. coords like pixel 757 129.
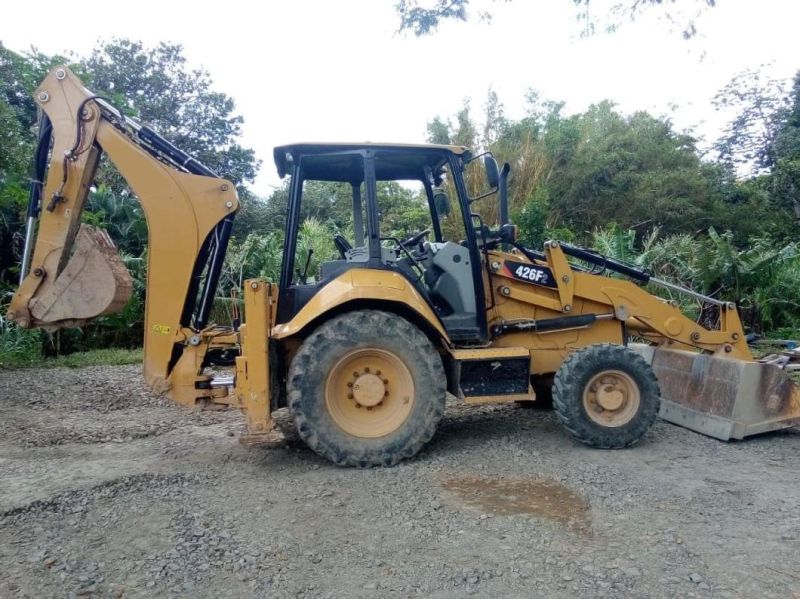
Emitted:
pixel 606 396
pixel 367 388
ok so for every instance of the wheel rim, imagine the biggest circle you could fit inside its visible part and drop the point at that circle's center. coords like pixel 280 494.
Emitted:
pixel 611 398
pixel 369 393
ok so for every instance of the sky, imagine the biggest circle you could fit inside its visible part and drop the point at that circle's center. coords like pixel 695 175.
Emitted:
pixel 337 70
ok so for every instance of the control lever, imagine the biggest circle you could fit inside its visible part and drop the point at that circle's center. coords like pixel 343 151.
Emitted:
pixel 304 276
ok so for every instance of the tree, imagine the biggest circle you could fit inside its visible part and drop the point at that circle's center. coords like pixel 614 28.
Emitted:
pixel 17 115
pixel 629 10
pixel 634 171
pixel 758 103
pixel 157 86
pixel 425 20
pixel 571 174
pixel 784 152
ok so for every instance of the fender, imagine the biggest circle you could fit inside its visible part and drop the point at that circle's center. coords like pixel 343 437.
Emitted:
pixel 361 284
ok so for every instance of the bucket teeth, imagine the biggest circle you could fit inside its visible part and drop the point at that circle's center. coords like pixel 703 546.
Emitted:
pixel 725 398
pixel 94 282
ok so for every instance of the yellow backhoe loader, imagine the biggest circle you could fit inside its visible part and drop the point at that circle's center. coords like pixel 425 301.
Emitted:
pixel 363 350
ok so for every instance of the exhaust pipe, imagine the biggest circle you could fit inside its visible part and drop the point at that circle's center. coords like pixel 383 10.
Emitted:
pixel 503 192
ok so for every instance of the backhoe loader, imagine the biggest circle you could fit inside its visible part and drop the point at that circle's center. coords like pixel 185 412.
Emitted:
pixel 364 350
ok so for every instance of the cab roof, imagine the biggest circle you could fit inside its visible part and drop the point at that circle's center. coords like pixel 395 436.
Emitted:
pixel 334 161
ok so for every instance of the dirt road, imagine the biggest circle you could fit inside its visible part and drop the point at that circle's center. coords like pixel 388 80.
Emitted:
pixel 109 491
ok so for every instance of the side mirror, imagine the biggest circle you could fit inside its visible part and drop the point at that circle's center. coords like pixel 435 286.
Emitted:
pixel 442 203
pixel 492 172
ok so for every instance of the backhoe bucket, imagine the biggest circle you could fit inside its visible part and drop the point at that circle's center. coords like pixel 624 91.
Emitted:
pixel 94 282
pixel 724 398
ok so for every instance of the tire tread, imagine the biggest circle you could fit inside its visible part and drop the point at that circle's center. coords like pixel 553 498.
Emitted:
pixel 344 330
pixel 568 393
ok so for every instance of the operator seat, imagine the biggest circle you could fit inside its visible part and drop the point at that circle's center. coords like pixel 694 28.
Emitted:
pixel 342 245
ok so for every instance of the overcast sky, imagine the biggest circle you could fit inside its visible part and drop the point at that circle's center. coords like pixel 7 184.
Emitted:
pixel 335 70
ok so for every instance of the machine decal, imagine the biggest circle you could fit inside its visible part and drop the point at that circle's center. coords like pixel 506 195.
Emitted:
pixel 530 273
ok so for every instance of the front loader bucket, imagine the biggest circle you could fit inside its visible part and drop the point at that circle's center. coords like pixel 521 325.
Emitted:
pixel 725 398
pixel 94 282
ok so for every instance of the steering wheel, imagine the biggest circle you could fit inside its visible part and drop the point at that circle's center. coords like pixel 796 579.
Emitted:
pixel 415 239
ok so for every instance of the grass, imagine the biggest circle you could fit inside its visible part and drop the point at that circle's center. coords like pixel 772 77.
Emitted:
pixel 96 357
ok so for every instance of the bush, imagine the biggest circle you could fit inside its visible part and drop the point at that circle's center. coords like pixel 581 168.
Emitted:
pixel 18 346
pixel 763 279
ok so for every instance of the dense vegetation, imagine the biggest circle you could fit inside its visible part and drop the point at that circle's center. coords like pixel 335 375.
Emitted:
pixel 629 185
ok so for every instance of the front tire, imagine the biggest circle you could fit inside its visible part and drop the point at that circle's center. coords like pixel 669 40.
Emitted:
pixel 367 388
pixel 606 395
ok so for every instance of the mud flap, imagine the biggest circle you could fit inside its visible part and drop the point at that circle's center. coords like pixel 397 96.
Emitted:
pixel 724 398
pixel 94 282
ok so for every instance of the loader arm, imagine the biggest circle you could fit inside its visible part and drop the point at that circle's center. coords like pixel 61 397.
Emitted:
pixel 75 273
pixel 709 380
pixel 643 313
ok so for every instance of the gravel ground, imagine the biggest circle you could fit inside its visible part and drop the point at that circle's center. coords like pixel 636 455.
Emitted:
pixel 109 491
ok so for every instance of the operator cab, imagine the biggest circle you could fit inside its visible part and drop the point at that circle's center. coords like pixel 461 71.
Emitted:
pixel 385 207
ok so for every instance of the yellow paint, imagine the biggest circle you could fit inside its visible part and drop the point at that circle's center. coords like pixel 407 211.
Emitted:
pixel 252 366
pixel 361 284
pixel 588 293
pixel 180 208
pixel 490 353
pixel 482 399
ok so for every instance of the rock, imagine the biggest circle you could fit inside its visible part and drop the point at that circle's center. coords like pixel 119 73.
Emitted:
pixel 632 572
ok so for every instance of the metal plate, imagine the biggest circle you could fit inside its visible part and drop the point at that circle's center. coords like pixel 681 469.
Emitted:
pixel 721 397
pixel 495 376
pixel 529 273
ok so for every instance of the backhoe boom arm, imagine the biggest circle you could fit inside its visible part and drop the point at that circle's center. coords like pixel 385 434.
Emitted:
pixel 75 273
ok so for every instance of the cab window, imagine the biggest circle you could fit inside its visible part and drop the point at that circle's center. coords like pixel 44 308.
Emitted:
pixel 331 213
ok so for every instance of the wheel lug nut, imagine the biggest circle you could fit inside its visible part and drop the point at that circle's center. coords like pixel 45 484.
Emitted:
pixel 369 408
pixel 386 393
pixel 349 396
pixel 355 375
pixel 350 384
pixel 378 372
pixel 366 370
pixel 385 381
